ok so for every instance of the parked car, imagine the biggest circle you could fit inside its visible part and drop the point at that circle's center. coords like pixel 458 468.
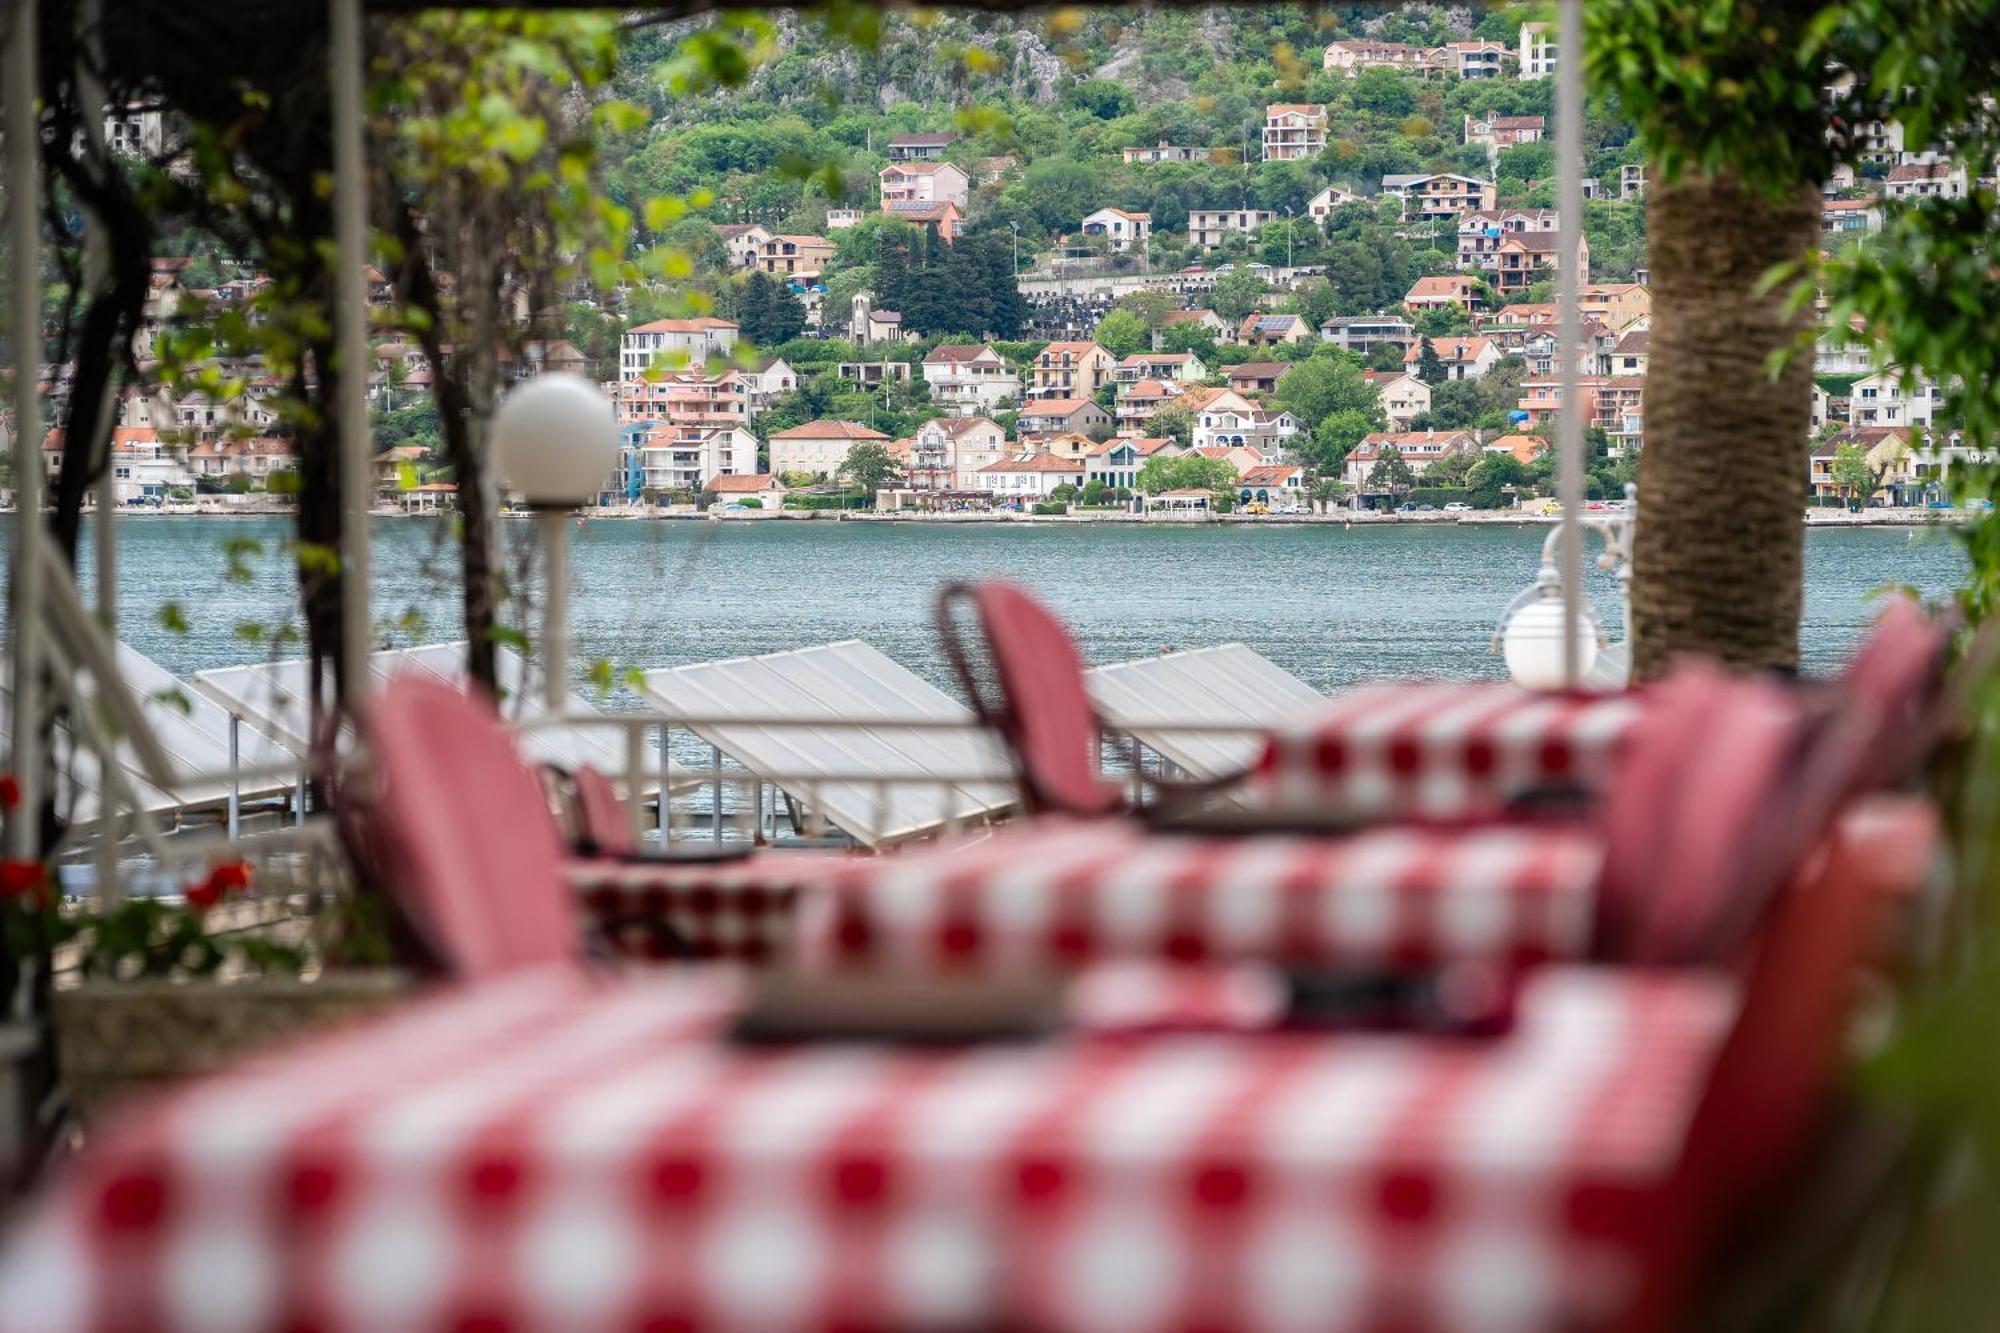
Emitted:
pixel 1427 509
pixel 1458 507
pixel 1407 507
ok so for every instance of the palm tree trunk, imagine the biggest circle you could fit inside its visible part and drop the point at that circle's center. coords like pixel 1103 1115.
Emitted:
pixel 1718 558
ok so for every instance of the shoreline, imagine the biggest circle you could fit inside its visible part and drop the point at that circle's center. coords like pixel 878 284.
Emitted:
pixel 1875 518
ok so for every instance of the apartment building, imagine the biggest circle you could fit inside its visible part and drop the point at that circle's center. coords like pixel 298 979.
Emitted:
pixel 970 377
pixel 918 147
pixel 1209 227
pixel 1294 131
pixel 1122 229
pixel 924 183
pixel 1538 51
pixel 819 447
pixel 1480 233
pixel 674 343
pixel 1441 196
pixel 1072 370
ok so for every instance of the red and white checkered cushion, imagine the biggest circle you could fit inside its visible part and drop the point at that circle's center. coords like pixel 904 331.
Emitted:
pixel 742 910
pixel 1060 894
pixel 550 1152
pixel 1440 750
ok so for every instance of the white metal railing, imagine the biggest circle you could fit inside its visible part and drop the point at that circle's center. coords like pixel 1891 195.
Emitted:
pixel 654 730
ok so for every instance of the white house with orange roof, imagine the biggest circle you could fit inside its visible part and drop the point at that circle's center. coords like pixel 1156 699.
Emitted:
pixel 1137 402
pixel 672 344
pixel 924 183
pixel 1059 416
pixel 1280 485
pixel 1467 358
pixel 819 447
pixel 1116 462
pixel 1121 228
pixel 674 456
pixel 1418 448
pixel 1444 289
pixel 970 377
pixel 735 488
pixel 1320 207
pixel 1029 477
pixel 1404 397
pixel 1229 419
pixel 142 467
pixel 1181 367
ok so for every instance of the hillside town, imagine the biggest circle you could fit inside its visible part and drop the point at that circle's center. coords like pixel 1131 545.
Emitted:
pixel 1223 358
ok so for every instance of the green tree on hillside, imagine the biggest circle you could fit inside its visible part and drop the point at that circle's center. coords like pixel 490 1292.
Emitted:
pixel 1188 472
pixel 1390 473
pixel 1430 366
pixel 1321 385
pixel 769 312
pixel 1854 474
pixel 870 466
pixel 1189 336
pixel 1238 293
pixel 1490 477
pixel 1121 333
pixel 1175 421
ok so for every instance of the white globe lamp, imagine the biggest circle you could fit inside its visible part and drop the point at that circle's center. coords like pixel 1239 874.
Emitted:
pixel 555 442
pixel 1532 642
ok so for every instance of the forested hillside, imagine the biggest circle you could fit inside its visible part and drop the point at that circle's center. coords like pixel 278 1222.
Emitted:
pixel 1044 103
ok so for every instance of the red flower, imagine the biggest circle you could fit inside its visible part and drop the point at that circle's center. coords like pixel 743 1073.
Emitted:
pixel 26 881
pixel 204 895
pixel 230 877
pixel 10 791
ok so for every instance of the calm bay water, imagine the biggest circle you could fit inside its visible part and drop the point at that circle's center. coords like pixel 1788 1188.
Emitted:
pixel 1333 605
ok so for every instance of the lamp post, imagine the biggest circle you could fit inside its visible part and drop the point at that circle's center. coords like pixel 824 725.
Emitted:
pixel 555 441
pixel 1015 227
pixel 1549 635
pixel 1288 238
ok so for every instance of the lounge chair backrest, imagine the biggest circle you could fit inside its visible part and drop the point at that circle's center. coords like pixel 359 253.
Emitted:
pixel 1045 714
pixel 1899 672
pixel 471 849
pixel 1723 786
pixel 1731 837
pixel 1634 814
pixel 603 825
pixel 1798 990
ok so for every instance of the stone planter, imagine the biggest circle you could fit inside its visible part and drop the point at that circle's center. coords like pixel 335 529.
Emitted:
pixel 115 1037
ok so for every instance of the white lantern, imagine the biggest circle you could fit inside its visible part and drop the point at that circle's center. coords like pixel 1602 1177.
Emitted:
pixel 555 441
pixel 1532 643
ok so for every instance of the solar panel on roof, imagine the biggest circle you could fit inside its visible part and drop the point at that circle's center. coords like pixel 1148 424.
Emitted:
pixel 845 686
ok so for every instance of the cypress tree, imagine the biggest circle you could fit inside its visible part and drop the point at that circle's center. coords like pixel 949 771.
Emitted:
pixel 1006 312
pixel 753 312
pixel 892 267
